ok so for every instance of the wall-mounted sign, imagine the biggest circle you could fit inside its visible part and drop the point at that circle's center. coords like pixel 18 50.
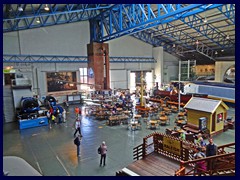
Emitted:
pixel 61 81
pixel 172 145
pixel 90 73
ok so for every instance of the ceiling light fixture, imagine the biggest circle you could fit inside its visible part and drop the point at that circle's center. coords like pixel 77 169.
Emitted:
pixel 46 8
pixel 38 20
pixel 20 8
pixel 10 9
pixel 205 20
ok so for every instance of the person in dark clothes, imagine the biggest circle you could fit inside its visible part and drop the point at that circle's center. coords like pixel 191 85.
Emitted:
pixel 211 150
pixel 66 105
pixel 77 143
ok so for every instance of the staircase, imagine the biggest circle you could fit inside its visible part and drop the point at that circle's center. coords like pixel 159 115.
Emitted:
pixel 8 107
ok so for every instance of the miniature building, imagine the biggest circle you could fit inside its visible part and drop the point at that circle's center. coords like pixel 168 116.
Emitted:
pixel 215 112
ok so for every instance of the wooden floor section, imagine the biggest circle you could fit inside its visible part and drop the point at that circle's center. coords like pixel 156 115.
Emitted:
pixel 155 165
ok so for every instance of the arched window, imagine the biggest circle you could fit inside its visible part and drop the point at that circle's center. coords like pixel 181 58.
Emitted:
pixel 229 76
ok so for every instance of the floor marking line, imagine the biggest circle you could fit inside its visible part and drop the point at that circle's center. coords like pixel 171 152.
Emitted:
pixel 63 166
pixel 34 157
pixel 39 168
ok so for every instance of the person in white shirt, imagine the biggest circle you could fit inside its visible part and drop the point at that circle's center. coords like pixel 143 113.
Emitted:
pixel 77 127
pixel 64 115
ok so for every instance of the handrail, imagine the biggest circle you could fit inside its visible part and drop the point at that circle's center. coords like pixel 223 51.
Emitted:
pixel 227 145
pixel 184 155
pixel 207 158
pixel 138 152
pixel 180 172
pixel 183 164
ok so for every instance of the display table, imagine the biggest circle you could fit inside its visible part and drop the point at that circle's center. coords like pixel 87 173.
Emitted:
pixel 152 124
pixel 134 125
pixel 29 123
pixel 164 120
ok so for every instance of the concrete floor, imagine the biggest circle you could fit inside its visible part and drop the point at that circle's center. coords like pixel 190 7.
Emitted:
pixel 53 153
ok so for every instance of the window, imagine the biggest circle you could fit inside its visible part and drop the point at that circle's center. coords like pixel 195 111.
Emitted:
pixel 219 117
pixel 83 75
pixel 229 76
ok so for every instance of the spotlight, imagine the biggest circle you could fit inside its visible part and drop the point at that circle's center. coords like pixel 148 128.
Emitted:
pixel 20 8
pixel 205 20
pixel 37 20
pixel 46 8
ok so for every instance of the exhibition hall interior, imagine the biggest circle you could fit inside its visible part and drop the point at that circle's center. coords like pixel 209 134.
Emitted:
pixel 119 89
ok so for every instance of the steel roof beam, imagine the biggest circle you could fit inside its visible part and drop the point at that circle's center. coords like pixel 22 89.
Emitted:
pixel 185 27
pixel 10 58
pixel 131 18
pixel 166 44
pixel 182 38
pixel 229 11
pixel 208 30
pixel 15 20
pixel 205 50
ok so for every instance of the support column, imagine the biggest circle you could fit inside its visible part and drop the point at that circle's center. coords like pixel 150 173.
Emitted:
pixel 158 55
pixel 98 61
pixel 107 69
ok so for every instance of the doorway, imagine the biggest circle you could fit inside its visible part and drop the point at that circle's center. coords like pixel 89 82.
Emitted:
pixel 213 122
pixel 8 78
pixel 135 81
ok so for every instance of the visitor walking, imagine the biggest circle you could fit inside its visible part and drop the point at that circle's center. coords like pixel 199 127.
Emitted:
pixel 103 149
pixel 49 119
pixel 78 127
pixel 76 111
pixel 77 142
pixel 64 115
pixel 66 105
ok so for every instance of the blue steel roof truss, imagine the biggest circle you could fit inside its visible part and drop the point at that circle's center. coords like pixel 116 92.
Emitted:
pixel 229 11
pixel 129 19
pixel 19 20
pixel 149 23
pixel 208 30
pixel 13 58
pixel 132 19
